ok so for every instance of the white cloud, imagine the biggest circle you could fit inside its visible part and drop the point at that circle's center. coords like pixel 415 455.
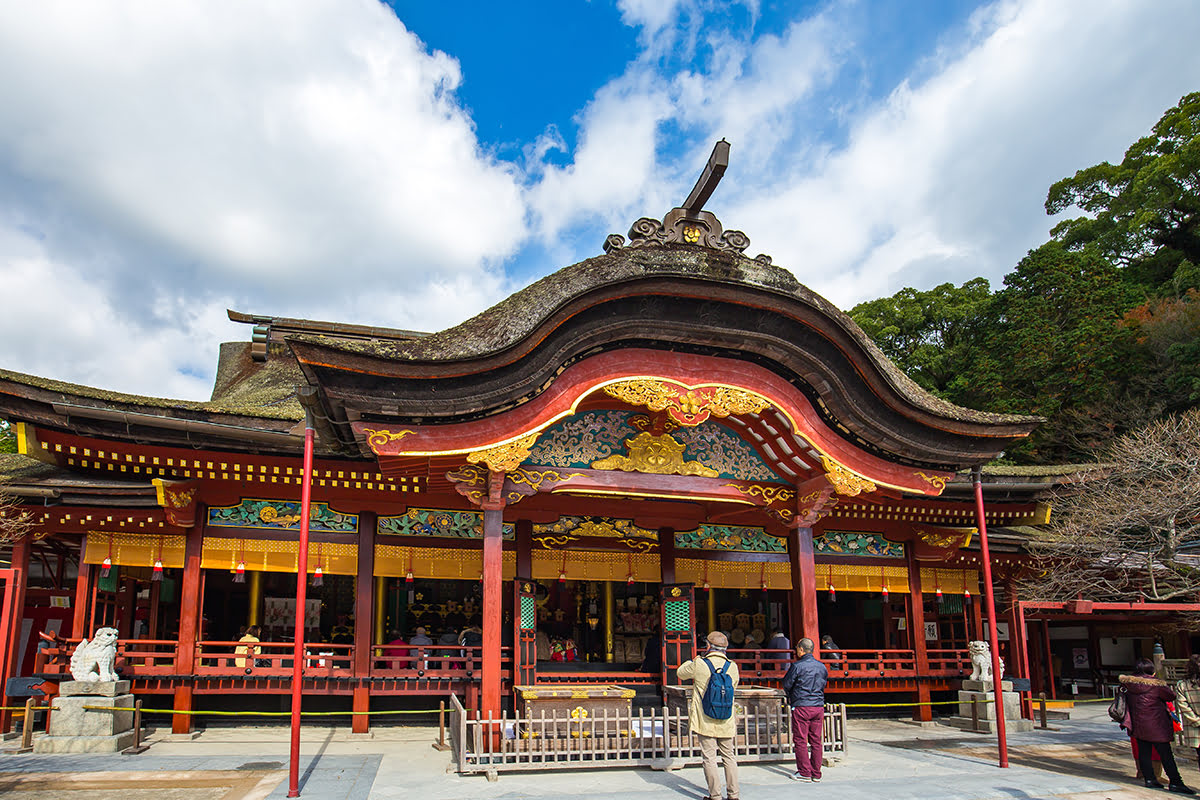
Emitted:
pixel 946 179
pixel 650 15
pixel 57 323
pixel 281 153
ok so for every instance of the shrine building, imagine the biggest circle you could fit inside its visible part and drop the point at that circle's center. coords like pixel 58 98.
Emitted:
pixel 668 438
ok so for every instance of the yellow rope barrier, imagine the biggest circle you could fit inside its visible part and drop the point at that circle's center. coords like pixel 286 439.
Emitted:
pixel 926 703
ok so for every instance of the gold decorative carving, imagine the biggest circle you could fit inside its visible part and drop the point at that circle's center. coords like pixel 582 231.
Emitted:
pixel 470 480
pixel 938 482
pixel 656 455
pixel 179 499
pixel 535 478
pixel 603 529
pixel 378 439
pixel 687 408
pixel 769 494
pixel 945 539
pixel 504 457
pixel 271 516
pixel 550 542
pixel 844 481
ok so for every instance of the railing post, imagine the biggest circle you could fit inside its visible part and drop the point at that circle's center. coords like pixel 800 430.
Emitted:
pixel 1042 709
pixel 440 744
pixel 137 747
pixel 27 728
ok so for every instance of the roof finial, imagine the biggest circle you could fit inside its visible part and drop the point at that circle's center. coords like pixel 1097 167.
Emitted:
pixel 708 180
pixel 690 223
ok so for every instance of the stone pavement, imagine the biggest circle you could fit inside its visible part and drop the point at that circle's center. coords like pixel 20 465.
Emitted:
pixel 1087 759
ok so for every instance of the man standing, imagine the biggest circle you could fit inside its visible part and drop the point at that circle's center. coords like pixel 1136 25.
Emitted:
pixel 805 686
pixel 714 733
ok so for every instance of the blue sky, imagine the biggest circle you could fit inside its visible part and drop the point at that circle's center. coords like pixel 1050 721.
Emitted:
pixel 411 164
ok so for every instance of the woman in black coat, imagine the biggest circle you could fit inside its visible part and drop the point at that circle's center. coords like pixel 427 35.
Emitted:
pixel 1149 722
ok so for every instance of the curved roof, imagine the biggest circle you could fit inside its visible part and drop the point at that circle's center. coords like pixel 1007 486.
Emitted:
pixel 665 297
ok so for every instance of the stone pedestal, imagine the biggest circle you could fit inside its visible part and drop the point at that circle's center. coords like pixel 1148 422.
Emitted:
pixel 77 729
pixel 981 695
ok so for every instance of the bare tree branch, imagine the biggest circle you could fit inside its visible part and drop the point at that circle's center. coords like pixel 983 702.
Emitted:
pixel 1133 531
pixel 16 521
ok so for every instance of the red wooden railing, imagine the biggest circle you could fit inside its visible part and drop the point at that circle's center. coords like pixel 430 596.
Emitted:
pixel 156 657
pixel 135 656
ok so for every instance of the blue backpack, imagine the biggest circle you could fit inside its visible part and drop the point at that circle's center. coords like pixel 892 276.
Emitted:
pixel 718 695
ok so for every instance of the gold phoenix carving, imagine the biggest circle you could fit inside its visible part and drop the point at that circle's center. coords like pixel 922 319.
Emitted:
pixel 377 439
pixel 504 457
pixel 844 481
pixel 690 408
pixel 657 455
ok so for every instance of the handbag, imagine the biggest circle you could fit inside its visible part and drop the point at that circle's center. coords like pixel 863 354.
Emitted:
pixel 1117 708
pixel 1176 722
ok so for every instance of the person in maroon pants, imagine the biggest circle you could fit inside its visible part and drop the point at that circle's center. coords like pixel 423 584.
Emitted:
pixel 805 686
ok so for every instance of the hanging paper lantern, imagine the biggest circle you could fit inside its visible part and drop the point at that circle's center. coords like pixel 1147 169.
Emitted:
pixel 409 577
pixel 318 578
pixel 239 572
pixel 940 599
pixel 705 587
pixel 884 594
pixel 562 577
pixel 157 573
pixel 966 595
pixel 105 567
pixel 832 594
pixel 629 580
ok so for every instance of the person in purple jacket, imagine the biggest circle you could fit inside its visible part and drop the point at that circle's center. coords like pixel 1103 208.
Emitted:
pixel 1149 723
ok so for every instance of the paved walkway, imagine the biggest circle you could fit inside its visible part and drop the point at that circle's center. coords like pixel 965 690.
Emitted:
pixel 1087 759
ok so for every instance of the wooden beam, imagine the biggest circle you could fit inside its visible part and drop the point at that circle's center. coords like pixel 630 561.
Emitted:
pixel 493 566
pixel 916 635
pixel 666 554
pixel 190 598
pixel 803 598
pixel 524 548
pixel 364 606
pixel 82 593
pixel 21 550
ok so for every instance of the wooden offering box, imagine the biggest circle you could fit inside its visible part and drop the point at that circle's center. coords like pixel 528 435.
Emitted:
pixel 756 707
pixel 575 710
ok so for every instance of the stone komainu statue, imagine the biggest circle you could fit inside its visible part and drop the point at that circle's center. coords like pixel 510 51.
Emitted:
pixel 981 661
pixel 93 661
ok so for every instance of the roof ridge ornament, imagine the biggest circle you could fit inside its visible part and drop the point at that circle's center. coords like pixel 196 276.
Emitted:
pixel 690 223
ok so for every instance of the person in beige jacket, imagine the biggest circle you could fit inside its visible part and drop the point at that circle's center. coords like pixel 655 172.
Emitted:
pixel 713 734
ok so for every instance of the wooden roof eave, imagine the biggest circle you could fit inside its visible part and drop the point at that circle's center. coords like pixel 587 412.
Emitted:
pixel 132 421
pixel 322 360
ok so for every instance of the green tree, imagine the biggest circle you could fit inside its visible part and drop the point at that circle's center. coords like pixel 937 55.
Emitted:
pixel 1144 213
pixel 1054 348
pixel 930 335
pixel 8 442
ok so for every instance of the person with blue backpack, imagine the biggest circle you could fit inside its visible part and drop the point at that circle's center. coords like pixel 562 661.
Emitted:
pixel 805 686
pixel 711 716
